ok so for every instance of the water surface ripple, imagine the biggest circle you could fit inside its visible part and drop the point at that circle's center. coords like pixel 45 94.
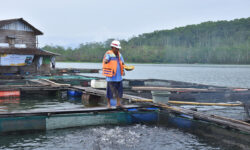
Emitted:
pixel 135 137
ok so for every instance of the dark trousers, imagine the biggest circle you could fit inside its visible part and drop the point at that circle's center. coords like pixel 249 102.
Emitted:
pixel 114 89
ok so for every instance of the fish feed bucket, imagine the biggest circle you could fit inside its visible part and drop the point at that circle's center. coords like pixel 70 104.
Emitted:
pixel 160 96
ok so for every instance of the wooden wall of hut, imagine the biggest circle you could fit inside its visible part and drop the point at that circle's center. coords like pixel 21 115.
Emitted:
pixel 20 37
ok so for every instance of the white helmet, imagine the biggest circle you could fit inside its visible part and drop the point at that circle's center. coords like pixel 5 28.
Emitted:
pixel 115 44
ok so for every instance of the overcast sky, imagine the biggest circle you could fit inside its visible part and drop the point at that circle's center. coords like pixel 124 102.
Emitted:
pixel 71 22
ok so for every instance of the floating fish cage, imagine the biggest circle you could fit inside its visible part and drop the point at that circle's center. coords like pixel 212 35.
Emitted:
pixel 41 121
pixel 203 124
pixel 75 118
pixel 206 129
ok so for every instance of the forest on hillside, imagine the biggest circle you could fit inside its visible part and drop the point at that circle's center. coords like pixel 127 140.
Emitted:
pixel 220 42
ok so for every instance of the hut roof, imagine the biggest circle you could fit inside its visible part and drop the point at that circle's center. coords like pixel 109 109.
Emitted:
pixel 9 21
pixel 26 51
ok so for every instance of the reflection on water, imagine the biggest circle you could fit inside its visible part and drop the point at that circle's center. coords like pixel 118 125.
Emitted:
pixel 137 137
pixel 8 102
pixel 39 103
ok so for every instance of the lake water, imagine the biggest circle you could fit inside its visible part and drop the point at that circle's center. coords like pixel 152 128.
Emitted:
pixel 129 137
pixel 136 137
pixel 221 75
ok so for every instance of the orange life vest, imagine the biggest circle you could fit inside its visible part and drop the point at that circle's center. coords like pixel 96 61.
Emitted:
pixel 109 69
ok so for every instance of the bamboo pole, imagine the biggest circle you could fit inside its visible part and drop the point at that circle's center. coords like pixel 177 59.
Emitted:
pixel 240 125
pixel 142 100
pixel 148 88
pixel 191 103
pixel 54 83
pixel 204 104
pixel 173 89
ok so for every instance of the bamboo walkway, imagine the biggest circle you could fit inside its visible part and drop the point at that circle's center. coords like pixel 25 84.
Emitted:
pixel 36 85
pixel 99 92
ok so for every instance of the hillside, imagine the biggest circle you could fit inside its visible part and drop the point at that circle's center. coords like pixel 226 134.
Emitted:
pixel 221 42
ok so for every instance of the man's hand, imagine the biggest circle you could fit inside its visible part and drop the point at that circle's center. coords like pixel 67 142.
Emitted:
pixel 123 70
pixel 106 61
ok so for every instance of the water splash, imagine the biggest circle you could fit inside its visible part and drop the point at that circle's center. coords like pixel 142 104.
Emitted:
pixel 135 137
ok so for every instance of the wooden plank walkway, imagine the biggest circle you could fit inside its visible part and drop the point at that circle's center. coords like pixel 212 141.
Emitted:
pixel 31 88
pixel 76 70
pixel 36 85
pixel 64 111
pixel 173 89
pixel 100 92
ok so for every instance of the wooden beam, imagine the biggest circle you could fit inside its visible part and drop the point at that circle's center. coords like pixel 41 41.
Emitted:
pixel 79 110
pixel 151 88
pixel 76 70
pixel 54 83
pixel 204 104
pixel 103 92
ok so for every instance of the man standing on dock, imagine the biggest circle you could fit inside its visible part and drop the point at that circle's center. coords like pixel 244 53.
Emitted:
pixel 113 69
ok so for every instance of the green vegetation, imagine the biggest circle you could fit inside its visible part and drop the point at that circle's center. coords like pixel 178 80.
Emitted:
pixel 221 42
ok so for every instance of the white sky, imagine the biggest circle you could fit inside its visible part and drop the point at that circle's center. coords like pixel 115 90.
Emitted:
pixel 71 22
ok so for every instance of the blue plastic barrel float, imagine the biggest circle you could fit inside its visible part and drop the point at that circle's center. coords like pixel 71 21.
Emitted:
pixel 150 115
pixel 74 93
pixel 182 121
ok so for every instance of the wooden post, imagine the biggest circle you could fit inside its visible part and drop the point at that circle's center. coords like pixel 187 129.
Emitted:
pixel 91 100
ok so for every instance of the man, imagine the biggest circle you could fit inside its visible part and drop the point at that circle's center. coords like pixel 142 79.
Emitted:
pixel 113 65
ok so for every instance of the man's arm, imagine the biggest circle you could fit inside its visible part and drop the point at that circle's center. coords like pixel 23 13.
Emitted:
pixel 123 65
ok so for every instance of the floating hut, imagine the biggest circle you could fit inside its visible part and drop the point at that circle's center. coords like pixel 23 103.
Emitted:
pixel 19 52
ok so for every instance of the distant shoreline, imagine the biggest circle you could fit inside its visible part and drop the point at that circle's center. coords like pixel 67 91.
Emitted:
pixel 153 63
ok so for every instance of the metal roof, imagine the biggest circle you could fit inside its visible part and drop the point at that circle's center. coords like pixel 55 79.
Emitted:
pixel 9 21
pixel 26 51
